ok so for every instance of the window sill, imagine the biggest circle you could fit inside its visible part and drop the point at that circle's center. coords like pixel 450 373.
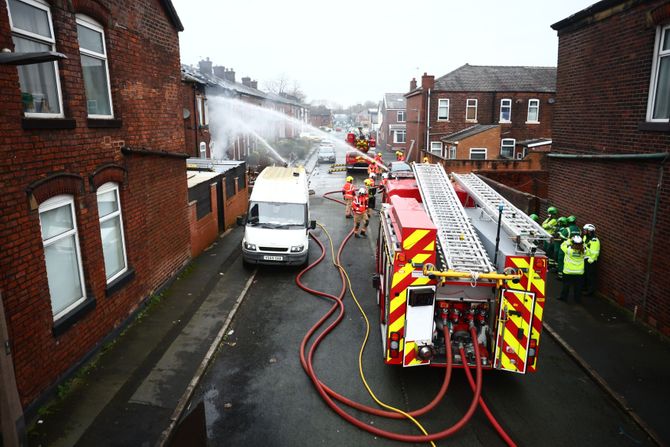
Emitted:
pixel 98 123
pixel 67 321
pixel 471 121
pixel 532 122
pixel 654 127
pixel 48 123
pixel 443 120
pixel 120 282
pixel 504 122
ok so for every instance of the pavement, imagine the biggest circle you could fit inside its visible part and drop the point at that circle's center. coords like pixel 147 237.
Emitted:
pixel 137 388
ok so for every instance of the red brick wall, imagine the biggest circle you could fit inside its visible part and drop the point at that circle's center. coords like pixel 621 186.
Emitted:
pixel 489 139
pixel 143 55
pixel 416 125
pixel 205 230
pixel 235 206
pixel 603 84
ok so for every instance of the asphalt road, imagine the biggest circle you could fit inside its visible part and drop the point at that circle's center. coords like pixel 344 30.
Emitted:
pixel 256 393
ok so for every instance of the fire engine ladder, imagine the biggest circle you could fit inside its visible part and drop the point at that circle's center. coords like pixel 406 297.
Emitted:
pixel 461 248
pixel 515 222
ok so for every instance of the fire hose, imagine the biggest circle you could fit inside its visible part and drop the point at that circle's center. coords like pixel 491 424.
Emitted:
pixel 328 394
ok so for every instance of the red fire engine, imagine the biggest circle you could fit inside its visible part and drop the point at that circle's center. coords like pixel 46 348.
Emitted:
pixel 443 261
pixel 358 159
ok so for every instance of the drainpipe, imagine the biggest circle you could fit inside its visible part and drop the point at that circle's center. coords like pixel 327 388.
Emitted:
pixel 195 119
pixel 427 146
pixel 662 157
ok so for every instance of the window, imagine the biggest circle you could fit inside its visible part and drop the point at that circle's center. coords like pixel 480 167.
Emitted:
pixel 507 147
pixel 659 91
pixel 203 149
pixel 399 136
pixel 62 255
pixel 111 231
pixel 452 152
pixel 533 111
pixel 478 154
pixel 205 112
pixel 32 31
pixel 401 116
pixel 436 148
pixel 94 67
pixel 471 110
pixel 505 110
pixel 443 109
pixel 198 100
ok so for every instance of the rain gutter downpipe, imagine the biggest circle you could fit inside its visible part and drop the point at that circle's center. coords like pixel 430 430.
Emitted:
pixel 662 157
pixel 427 145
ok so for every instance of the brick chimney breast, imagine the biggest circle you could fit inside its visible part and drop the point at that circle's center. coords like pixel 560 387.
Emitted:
pixel 254 84
pixel 412 85
pixel 205 67
pixel 246 81
pixel 230 75
pixel 427 81
pixel 220 72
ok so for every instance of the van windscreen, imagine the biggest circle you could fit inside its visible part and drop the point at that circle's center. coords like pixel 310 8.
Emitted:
pixel 277 215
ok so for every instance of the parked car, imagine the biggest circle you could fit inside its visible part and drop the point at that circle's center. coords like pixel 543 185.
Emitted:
pixel 400 169
pixel 326 155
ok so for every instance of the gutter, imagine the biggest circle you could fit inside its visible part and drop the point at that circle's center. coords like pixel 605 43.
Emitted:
pixel 655 156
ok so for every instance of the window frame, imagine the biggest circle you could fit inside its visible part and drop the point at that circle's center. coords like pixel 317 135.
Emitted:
pixel 87 22
pixel 439 106
pixel 48 205
pixel 396 133
pixel 501 120
pixel 105 188
pixel 452 152
pixel 404 116
pixel 51 41
pixel 199 103
pixel 468 107
pixel 656 65
pixel 432 151
pixel 502 145
pixel 479 149
pixel 537 107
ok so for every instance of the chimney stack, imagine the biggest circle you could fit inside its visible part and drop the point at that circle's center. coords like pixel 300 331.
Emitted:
pixel 427 81
pixel 205 67
pixel 229 75
pixel 254 84
pixel 412 85
pixel 246 81
pixel 220 72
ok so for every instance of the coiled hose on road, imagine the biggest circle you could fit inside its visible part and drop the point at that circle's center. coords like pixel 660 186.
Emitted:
pixel 330 395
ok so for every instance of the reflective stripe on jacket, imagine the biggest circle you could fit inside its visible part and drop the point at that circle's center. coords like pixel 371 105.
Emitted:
pixel 348 190
pixel 549 225
pixel 360 204
pixel 573 264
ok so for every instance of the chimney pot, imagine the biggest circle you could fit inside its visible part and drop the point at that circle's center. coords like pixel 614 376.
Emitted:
pixel 205 67
pixel 412 85
pixel 246 81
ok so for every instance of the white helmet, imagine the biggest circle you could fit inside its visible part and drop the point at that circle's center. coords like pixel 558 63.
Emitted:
pixel 576 239
pixel 589 227
pixel 361 191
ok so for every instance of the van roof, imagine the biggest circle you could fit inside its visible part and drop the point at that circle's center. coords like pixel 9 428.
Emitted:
pixel 279 184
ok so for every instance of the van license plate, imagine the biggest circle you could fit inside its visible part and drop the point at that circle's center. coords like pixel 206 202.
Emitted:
pixel 273 258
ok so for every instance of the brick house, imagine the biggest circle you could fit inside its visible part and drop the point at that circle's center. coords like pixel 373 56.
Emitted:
pixel 196 115
pixel 611 136
pixel 393 128
pixel 93 215
pixel 320 116
pixel 520 100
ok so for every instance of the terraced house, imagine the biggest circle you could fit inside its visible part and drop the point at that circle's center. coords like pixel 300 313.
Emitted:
pixel 93 214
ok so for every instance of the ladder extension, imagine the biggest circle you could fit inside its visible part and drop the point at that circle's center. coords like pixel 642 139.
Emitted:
pixel 515 222
pixel 461 247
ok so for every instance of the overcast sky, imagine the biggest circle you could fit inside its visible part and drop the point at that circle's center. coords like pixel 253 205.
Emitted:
pixel 350 51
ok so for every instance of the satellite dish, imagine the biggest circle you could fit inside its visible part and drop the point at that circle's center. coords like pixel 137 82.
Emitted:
pixel 186 113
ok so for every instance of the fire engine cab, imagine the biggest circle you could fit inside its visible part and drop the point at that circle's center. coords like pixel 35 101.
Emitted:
pixel 458 255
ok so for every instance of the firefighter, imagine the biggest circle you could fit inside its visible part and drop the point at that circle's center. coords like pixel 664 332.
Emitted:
pixel 591 254
pixel 562 234
pixel 573 268
pixel 425 160
pixel 348 195
pixel 378 159
pixel 360 208
pixel 399 156
pixel 372 190
pixel 549 226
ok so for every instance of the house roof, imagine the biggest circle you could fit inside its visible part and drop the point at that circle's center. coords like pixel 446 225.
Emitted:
pixel 578 17
pixel 534 142
pixel 172 14
pixel 193 75
pixel 468 132
pixel 395 101
pixel 489 78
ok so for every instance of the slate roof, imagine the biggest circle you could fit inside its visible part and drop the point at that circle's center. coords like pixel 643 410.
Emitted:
pixel 395 101
pixel 485 78
pixel 468 132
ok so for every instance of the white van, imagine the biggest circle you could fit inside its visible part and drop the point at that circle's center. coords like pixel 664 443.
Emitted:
pixel 277 223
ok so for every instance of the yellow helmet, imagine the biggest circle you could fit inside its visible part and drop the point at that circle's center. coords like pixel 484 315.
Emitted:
pixel 367 182
pixel 398 152
pixel 379 153
pixel 349 178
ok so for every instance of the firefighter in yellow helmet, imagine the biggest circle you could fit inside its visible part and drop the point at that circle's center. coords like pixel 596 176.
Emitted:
pixel 348 195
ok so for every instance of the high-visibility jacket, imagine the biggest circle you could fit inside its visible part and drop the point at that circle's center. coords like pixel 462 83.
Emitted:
pixel 373 168
pixel 348 190
pixel 401 158
pixel 379 160
pixel 360 204
pixel 573 263
pixel 550 224
pixel 592 249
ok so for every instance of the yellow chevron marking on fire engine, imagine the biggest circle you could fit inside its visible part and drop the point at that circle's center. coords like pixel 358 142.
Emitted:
pixel 401 274
pixel 420 258
pixel 511 340
pixel 413 239
pixel 421 281
pixel 430 246
pixel 526 300
pixel 507 364
pixel 397 301
pixel 397 325
pixel 538 282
